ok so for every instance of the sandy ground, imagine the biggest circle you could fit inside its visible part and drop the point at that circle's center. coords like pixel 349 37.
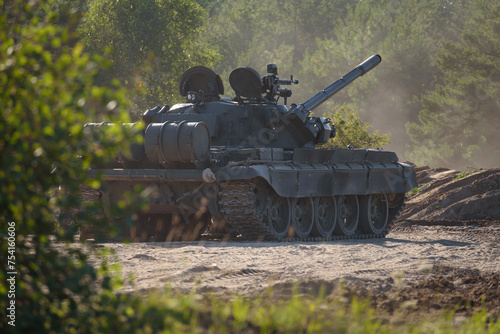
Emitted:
pixel 406 258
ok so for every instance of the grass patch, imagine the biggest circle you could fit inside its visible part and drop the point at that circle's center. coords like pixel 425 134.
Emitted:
pixel 173 312
pixel 462 175
pixel 414 191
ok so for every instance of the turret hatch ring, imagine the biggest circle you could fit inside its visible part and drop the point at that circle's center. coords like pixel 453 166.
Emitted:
pixel 246 82
pixel 201 78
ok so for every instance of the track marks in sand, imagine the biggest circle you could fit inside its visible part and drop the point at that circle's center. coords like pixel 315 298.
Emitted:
pixel 144 257
pixel 243 273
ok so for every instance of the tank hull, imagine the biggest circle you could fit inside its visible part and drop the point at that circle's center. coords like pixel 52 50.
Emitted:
pixel 310 175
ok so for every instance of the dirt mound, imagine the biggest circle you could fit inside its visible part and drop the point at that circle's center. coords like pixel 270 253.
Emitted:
pixel 437 289
pixel 448 195
pixel 447 288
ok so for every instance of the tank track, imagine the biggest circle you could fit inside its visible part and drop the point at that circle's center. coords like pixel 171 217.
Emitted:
pixel 237 202
pixel 239 207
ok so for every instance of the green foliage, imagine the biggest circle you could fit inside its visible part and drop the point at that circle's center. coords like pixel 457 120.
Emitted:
pixel 462 175
pixel 246 32
pixel 150 42
pixel 351 130
pixel 179 313
pixel 459 122
pixel 414 191
pixel 47 95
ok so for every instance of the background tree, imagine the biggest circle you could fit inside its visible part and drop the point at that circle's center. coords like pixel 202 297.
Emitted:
pixel 407 35
pixel 150 44
pixel 458 125
pixel 247 33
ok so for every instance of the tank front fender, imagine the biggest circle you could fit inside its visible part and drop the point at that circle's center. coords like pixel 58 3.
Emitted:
pixel 294 180
pixel 238 173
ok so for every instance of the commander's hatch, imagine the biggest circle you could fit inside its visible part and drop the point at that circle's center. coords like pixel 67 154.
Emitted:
pixel 247 84
pixel 201 84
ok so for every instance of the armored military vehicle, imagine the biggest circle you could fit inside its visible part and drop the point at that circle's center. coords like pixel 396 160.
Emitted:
pixel 253 165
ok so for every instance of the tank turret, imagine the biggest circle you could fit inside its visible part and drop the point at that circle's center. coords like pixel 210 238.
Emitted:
pixel 252 164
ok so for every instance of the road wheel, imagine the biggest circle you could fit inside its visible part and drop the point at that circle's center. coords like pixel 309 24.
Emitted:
pixel 348 215
pixel 278 215
pixel 374 213
pixel 302 216
pixel 325 216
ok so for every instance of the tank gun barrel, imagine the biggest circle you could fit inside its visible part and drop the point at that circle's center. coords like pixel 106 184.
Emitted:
pixel 304 109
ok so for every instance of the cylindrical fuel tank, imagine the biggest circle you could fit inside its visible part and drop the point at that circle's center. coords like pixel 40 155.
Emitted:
pixel 177 142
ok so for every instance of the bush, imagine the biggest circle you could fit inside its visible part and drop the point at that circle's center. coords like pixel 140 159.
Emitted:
pixel 47 95
pixel 351 130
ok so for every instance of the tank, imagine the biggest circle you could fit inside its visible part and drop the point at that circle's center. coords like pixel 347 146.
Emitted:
pixel 251 166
